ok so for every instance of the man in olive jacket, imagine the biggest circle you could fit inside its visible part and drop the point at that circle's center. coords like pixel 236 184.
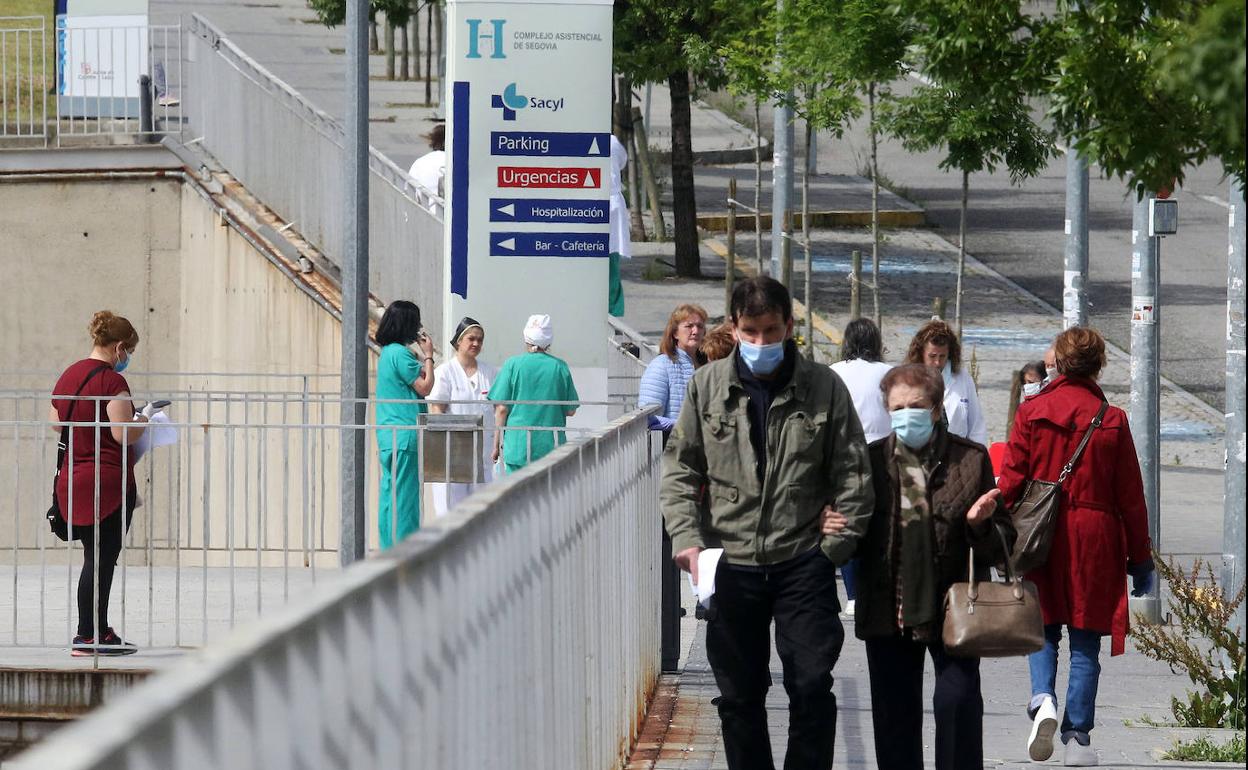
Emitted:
pixel 765 442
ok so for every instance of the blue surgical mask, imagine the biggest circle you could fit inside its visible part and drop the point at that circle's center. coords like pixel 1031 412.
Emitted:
pixel 947 372
pixel 761 359
pixel 121 365
pixel 913 426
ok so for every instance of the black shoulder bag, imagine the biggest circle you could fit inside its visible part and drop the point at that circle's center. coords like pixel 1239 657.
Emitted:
pixel 1035 513
pixel 56 519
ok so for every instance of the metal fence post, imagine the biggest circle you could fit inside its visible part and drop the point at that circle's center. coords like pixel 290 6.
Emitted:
pixel 1075 276
pixel 1233 512
pixel 355 287
pixel 1146 382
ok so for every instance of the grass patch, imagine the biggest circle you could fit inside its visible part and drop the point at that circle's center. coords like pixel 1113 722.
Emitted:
pixel 1205 749
pixel 20 50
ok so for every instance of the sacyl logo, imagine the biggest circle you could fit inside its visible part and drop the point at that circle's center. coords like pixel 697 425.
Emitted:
pixel 509 102
pixel 475 36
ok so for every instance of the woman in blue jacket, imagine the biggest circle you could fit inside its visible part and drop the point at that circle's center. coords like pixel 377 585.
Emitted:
pixel 667 375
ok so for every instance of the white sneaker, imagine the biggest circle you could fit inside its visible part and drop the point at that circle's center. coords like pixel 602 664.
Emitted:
pixel 1043 727
pixel 848 612
pixel 1078 753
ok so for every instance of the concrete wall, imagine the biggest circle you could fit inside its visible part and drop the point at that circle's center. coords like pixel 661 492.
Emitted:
pixel 203 300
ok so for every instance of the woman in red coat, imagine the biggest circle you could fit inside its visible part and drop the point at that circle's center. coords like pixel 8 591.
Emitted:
pixel 1101 536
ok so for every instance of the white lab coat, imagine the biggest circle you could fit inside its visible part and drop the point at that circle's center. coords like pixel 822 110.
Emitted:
pixel 863 380
pixel 621 241
pixel 451 383
pixel 966 418
pixel 428 171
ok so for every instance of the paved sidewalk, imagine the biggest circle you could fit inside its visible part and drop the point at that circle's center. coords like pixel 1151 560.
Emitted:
pixel 1003 328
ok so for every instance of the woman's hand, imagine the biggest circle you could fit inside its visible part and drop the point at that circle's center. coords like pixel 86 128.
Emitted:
pixel 832 522
pixel 984 507
pixel 425 343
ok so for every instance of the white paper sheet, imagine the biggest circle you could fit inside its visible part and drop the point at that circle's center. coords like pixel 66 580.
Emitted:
pixel 704 589
pixel 157 434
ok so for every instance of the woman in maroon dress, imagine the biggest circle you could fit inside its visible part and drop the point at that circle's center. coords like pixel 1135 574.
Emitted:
pixel 97 482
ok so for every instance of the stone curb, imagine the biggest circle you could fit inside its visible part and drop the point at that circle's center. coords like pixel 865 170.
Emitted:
pixel 891 218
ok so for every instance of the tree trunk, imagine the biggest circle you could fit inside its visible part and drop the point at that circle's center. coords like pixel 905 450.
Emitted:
pixel 875 208
pixel 414 36
pixel 429 57
pixel 405 70
pixel 957 302
pixel 758 189
pixel 439 53
pixel 389 50
pixel 684 206
pixel 372 37
pixel 622 118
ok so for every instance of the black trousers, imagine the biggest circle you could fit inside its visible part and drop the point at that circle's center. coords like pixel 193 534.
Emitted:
pixel 670 610
pixel 800 596
pixel 895 664
pixel 111 533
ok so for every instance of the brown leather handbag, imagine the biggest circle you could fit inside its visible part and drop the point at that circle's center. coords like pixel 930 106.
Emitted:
pixel 1035 513
pixel 986 619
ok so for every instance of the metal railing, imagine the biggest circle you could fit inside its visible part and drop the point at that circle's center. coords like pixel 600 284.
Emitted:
pixel 630 353
pixel 23 78
pixel 289 154
pixel 115 81
pixel 520 632
pixel 237 515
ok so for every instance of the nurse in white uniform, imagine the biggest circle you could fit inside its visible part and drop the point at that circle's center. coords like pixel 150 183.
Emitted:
pixel 464 379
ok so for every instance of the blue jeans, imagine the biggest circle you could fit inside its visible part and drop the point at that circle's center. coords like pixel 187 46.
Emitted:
pixel 849 576
pixel 1085 674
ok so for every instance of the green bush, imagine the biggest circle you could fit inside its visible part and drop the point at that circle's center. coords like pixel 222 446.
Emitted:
pixel 1203 749
pixel 1203 646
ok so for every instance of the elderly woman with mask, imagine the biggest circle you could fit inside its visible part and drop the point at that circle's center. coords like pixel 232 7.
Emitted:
pixel 935 500
pixel 533 376
pixel 462 380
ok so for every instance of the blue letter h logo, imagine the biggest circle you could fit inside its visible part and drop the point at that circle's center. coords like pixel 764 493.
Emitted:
pixel 475 36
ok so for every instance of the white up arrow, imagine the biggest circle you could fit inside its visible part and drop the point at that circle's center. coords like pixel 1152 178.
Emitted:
pixel 593 147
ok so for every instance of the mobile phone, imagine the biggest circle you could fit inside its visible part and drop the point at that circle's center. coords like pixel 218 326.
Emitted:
pixel 160 404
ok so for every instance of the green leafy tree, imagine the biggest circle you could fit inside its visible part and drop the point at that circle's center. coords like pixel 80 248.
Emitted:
pixel 1108 96
pixel 675 41
pixel 1207 62
pixel 398 13
pixel 856 45
pixel 981 60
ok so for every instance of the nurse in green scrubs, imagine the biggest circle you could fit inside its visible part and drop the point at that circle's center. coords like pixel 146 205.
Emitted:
pixel 532 376
pixel 404 377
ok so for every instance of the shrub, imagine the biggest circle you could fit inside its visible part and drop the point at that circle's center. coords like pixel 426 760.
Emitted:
pixel 1203 646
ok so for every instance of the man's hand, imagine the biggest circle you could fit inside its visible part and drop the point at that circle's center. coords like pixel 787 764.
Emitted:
pixel 983 508
pixel 687 560
pixel 832 522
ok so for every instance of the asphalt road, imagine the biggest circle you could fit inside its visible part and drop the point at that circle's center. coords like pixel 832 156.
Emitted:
pixel 1019 231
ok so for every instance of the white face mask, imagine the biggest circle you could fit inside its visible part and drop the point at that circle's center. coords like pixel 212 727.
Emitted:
pixel 1031 389
pixel 1050 375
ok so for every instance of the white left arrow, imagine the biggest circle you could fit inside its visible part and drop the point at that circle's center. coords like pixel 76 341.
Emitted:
pixel 509 244
pixel 509 209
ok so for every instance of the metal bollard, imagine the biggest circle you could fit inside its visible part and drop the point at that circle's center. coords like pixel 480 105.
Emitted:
pixel 147 126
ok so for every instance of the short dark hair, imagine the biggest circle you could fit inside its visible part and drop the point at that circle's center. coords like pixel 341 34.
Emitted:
pixel 400 323
pixel 916 376
pixel 759 296
pixel 437 137
pixel 862 340
pixel 939 334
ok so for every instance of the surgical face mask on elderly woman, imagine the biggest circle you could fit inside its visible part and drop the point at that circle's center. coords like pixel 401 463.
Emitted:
pixel 912 416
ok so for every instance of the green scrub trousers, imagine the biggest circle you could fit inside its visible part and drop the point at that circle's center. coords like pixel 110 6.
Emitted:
pixel 399 506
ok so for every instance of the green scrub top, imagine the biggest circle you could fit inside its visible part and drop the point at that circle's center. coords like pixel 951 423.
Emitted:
pixel 536 376
pixel 397 369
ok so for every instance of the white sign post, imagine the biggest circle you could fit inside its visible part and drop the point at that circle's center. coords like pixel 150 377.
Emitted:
pixel 528 156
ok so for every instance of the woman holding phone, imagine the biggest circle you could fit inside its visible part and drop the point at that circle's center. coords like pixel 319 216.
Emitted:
pixel 404 378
